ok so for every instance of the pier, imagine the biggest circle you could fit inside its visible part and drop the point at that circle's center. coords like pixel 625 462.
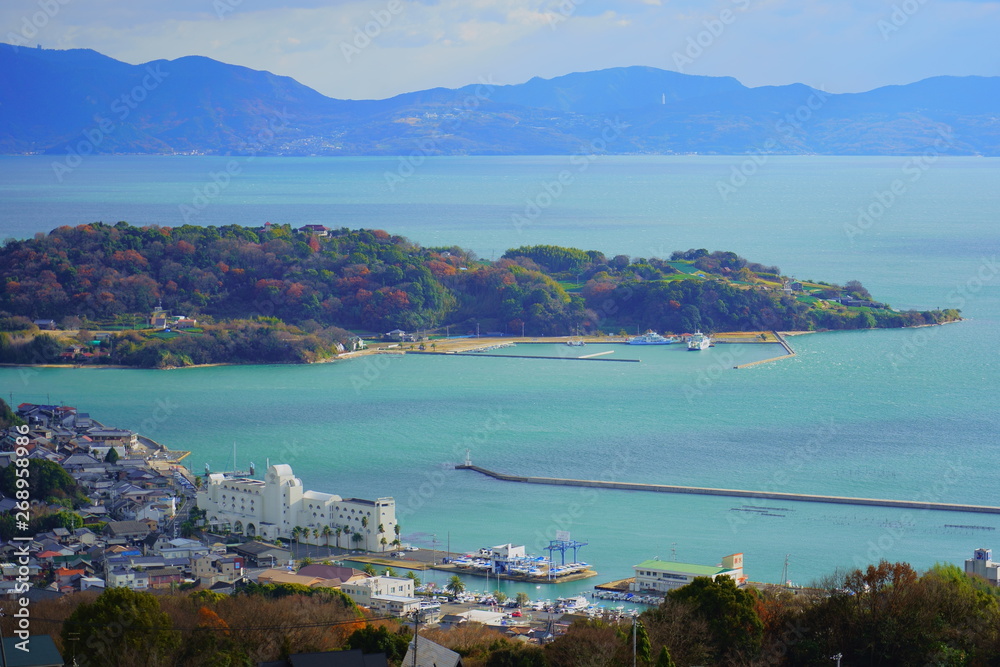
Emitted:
pixel 739 493
pixel 587 357
pixel 789 353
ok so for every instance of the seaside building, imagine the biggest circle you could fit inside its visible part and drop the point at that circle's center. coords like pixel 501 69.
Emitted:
pixel 661 576
pixel 278 505
pixel 385 595
pixel 982 565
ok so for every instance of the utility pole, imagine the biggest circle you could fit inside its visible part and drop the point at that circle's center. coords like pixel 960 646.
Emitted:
pixel 3 650
pixel 837 658
pixel 635 626
pixel 416 634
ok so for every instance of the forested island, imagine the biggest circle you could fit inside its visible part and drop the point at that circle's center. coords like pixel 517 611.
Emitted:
pixel 275 294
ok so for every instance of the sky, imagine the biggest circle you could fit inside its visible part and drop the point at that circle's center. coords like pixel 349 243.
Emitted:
pixel 372 49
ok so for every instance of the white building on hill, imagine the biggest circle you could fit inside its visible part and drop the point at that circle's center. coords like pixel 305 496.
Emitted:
pixel 662 576
pixel 982 565
pixel 276 506
pixel 385 595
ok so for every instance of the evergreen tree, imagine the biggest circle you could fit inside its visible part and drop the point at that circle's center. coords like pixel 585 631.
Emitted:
pixel 121 628
pixel 664 659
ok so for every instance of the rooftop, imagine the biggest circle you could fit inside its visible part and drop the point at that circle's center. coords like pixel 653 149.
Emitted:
pixel 683 568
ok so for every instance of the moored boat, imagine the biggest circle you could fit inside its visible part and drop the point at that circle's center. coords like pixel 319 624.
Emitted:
pixel 698 341
pixel 649 338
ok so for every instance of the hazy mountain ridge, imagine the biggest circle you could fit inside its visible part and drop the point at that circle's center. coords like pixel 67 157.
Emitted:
pixel 50 100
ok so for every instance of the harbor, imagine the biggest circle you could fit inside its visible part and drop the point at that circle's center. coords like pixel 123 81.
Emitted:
pixel 505 562
pixel 490 346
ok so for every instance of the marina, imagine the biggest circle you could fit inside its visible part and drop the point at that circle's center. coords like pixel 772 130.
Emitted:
pixel 512 562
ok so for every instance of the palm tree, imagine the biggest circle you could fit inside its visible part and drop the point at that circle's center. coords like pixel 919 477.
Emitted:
pixel 296 534
pixel 384 542
pixel 305 561
pixel 316 535
pixel 413 575
pixel 327 532
pixel 369 569
pixel 364 525
pixel 381 529
pixel 338 531
pixel 455 585
pixel 356 538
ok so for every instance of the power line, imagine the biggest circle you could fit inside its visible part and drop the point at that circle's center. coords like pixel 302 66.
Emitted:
pixel 227 629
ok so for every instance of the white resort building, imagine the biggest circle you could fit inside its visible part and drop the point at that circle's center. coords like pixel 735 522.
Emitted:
pixel 276 506
pixel 661 576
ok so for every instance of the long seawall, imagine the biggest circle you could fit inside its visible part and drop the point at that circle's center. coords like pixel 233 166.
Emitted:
pixel 737 493
pixel 789 353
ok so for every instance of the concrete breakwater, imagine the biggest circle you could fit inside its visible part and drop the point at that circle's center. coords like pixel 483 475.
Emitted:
pixel 789 352
pixel 529 356
pixel 738 493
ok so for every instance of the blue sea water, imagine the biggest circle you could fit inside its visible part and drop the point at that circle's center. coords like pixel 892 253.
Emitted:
pixel 893 414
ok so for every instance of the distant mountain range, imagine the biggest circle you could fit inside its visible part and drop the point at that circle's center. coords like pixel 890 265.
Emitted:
pixel 79 100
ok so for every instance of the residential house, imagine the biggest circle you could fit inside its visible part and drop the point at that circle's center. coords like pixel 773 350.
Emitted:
pixel 126 530
pixel 38 651
pixel 164 577
pixel 336 573
pixel 210 569
pixel 277 576
pixel 125 577
pixel 259 554
pixel 425 653
pixel 352 658
pixel 318 230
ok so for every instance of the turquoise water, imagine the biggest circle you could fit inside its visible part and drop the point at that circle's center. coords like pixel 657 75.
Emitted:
pixel 893 414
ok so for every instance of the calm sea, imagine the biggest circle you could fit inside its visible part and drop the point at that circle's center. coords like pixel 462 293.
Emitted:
pixel 892 414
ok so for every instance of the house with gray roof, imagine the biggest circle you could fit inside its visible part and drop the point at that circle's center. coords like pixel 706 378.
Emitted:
pixel 425 653
pixel 126 530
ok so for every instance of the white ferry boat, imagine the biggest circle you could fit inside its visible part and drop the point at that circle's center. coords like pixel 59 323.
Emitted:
pixel 698 341
pixel 649 338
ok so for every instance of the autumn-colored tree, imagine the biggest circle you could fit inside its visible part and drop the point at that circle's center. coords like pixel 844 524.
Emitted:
pixel 591 643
